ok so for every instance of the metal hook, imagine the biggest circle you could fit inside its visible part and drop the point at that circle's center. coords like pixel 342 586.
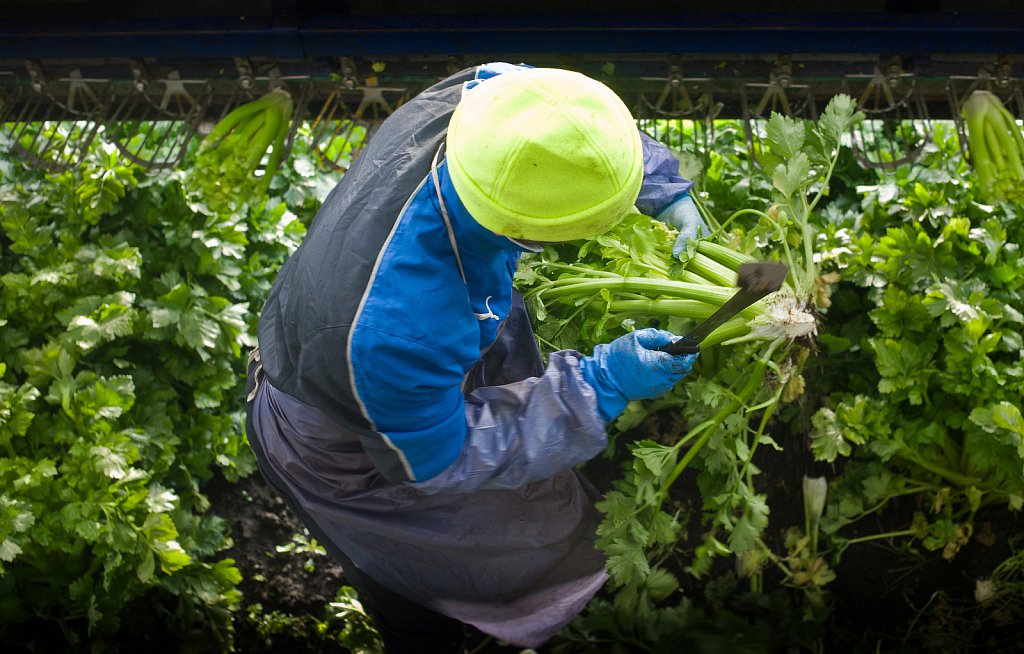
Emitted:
pixel 78 88
pixel 896 130
pixel 174 89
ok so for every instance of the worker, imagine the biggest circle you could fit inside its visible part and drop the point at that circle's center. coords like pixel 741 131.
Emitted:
pixel 397 398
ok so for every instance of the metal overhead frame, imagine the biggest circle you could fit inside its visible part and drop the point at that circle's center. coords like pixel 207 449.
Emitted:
pixel 349 70
pixel 625 50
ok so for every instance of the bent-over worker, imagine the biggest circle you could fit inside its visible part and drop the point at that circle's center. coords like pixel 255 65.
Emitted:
pixel 398 399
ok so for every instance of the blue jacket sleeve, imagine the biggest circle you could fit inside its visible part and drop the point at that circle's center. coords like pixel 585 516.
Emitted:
pixel 525 431
pixel 662 184
pixel 455 432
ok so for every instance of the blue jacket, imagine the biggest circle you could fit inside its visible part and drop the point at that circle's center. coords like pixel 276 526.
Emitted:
pixel 372 322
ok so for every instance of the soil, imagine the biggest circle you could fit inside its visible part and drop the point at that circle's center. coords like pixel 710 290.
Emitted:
pixel 277 581
pixel 885 599
pixel 909 599
pixel 895 596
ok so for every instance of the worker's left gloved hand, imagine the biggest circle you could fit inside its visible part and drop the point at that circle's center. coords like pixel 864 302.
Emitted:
pixel 683 215
pixel 631 368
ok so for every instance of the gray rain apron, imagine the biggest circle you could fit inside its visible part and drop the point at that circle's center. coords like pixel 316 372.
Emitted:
pixel 516 564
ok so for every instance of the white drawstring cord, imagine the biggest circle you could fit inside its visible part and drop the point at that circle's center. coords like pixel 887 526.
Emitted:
pixel 490 315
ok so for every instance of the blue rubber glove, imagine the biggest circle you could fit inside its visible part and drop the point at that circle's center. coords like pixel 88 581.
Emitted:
pixel 631 368
pixel 683 215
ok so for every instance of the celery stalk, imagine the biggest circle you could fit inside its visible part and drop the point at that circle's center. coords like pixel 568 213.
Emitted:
pixel 726 256
pixel 711 294
pixel 676 307
pixel 712 270
pixel 994 145
pixel 1010 139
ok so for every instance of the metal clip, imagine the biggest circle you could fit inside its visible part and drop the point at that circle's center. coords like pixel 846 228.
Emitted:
pixel 140 78
pixel 1003 72
pixel 35 73
pixel 246 78
pixel 775 99
pixel 349 79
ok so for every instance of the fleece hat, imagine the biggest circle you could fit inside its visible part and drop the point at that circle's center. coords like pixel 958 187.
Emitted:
pixel 545 155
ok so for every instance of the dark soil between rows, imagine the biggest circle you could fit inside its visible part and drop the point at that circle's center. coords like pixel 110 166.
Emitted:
pixel 888 596
pixel 261 521
pixel 886 599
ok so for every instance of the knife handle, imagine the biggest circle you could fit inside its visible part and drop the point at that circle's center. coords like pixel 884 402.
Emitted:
pixel 683 345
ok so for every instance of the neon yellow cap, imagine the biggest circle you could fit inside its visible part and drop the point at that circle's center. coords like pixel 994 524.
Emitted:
pixel 544 154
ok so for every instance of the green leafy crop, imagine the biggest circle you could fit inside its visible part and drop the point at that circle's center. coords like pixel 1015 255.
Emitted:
pixel 938 352
pixel 126 315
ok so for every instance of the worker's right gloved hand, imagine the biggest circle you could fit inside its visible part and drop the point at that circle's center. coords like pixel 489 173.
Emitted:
pixel 631 368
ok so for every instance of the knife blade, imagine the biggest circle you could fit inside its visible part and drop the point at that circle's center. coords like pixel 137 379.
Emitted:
pixel 755 281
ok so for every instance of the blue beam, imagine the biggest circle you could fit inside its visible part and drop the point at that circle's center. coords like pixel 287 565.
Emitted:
pixel 412 35
pixel 704 33
pixel 174 38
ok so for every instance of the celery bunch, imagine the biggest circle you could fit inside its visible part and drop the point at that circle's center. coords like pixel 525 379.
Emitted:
pixel 997 147
pixel 227 170
pixel 587 292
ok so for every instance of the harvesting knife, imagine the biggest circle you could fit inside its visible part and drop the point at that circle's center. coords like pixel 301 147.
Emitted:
pixel 755 280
